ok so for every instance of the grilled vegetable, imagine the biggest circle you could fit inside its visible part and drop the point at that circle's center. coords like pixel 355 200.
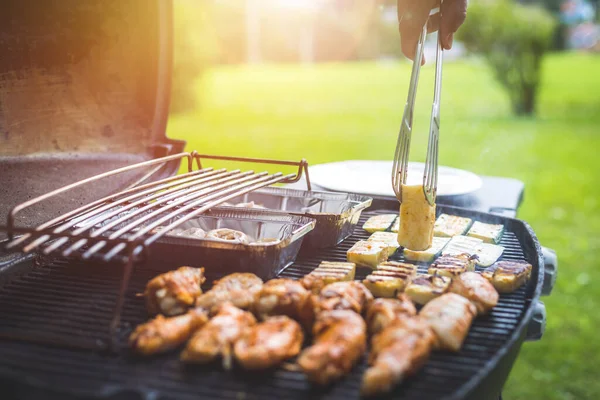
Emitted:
pixel 424 288
pixel 489 233
pixel 328 272
pixel 477 289
pixel 486 253
pixel 379 222
pixel 451 225
pixel 383 312
pixel 390 278
pixel 508 276
pixel 437 245
pixel 174 292
pixel 417 217
pixel 388 238
pixel 450 317
pixel 452 266
pixel 367 254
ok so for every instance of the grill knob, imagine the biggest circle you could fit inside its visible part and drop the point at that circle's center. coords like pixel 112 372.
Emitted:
pixel 550 270
pixel 537 324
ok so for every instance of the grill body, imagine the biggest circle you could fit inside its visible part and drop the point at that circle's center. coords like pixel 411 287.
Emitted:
pixel 58 301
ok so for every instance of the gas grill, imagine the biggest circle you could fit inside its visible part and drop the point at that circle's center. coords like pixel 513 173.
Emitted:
pixel 68 298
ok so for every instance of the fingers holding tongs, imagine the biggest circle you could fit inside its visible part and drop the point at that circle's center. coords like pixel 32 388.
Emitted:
pixel 401 156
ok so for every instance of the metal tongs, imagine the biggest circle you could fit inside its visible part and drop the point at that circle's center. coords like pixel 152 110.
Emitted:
pixel 400 168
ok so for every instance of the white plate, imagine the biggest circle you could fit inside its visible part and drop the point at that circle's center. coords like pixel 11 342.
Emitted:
pixel 374 178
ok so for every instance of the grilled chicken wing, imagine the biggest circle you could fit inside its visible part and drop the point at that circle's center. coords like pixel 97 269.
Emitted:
pixel 174 292
pixel 343 296
pixel 217 336
pixel 477 289
pixel 508 276
pixel 398 351
pixel 269 343
pixel 239 288
pixel 450 317
pixel 383 312
pixel 340 340
pixel 163 334
pixel 285 297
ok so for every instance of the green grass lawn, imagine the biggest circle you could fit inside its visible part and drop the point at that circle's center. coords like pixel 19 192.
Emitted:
pixel 353 111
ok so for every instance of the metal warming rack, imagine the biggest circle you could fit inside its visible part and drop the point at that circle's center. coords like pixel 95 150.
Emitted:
pixel 135 212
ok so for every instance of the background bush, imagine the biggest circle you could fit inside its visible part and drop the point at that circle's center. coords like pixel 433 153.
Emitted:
pixel 513 38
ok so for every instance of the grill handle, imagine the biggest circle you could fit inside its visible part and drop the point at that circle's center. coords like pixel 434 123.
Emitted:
pixel 537 324
pixel 550 270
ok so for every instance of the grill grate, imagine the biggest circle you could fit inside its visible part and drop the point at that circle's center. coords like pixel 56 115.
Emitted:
pixel 72 301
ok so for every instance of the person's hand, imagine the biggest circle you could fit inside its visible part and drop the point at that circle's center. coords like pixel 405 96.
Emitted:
pixel 414 14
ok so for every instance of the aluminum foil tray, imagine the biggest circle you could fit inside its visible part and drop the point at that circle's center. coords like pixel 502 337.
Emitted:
pixel 282 235
pixel 336 214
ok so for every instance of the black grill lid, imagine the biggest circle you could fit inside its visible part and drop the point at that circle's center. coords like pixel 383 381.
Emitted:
pixel 84 88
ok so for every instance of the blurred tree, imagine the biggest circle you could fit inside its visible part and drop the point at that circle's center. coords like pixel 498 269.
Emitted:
pixel 513 38
pixel 194 48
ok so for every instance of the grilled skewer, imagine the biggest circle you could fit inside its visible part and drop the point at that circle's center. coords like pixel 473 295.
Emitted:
pixel 163 334
pixel 269 343
pixel 285 297
pixel 340 340
pixel 238 288
pixel 174 292
pixel 217 337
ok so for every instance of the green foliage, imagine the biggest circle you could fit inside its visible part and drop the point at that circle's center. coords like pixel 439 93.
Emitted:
pixel 513 38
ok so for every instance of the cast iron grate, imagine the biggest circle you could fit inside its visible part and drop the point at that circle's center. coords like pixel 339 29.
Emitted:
pixel 72 301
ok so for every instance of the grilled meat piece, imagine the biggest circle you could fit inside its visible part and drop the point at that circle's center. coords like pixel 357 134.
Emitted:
pixel 239 288
pixel 174 292
pixel 398 351
pixel 383 312
pixel 228 235
pixel 508 276
pixel 269 343
pixel 328 272
pixel 217 337
pixel 450 317
pixel 285 297
pixel 340 340
pixel 351 295
pixel 163 334
pixel 452 266
pixel 424 288
pixel 390 278
pixel 477 289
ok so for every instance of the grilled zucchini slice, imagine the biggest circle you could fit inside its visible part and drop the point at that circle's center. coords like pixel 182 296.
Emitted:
pixel 437 245
pixel 489 233
pixel 488 253
pixel 367 254
pixel 424 288
pixel 328 272
pixel 390 278
pixel 388 238
pixel 462 245
pixel 508 276
pixel 417 217
pixel 451 225
pixel 379 222
pixel 452 266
